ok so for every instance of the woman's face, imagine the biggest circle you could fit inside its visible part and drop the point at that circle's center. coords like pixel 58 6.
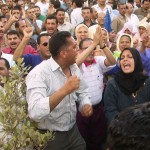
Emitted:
pixel 127 62
pixel 82 33
pixel 142 30
pixel 124 42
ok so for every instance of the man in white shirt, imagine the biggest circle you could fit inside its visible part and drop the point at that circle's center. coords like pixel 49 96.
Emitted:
pixel 76 14
pixel 101 6
pixel 132 18
pixel 53 88
pixel 43 6
pixel 62 25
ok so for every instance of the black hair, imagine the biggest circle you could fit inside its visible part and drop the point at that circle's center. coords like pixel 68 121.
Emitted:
pixel 51 17
pixel 13 32
pixel 17 7
pixel 40 36
pixel 59 9
pixel 6 62
pixel 83 40
pixel 58 41
pixel 56 3
pixel 130 130
pixel 77 2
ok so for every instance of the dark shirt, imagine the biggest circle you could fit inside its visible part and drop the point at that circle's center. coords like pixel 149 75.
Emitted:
pixel 116 101
pixel 92 23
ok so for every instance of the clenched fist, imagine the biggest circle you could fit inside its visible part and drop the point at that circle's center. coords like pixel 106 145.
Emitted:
pixel 72 84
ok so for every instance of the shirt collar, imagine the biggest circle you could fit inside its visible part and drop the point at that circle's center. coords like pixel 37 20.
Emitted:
pixel 55 66
pixel 88 64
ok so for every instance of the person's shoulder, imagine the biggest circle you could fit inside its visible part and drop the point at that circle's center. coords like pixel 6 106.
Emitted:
pixel 112 83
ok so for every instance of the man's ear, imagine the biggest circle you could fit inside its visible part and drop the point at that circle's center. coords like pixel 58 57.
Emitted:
pixel 63 54
pixel 38 48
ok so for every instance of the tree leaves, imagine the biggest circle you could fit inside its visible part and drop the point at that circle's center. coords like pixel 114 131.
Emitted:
pixel 18 131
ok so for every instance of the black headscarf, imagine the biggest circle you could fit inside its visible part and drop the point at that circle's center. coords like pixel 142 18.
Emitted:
pixel 130 83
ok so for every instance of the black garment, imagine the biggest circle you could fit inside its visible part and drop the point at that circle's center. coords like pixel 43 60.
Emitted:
pixel 130 83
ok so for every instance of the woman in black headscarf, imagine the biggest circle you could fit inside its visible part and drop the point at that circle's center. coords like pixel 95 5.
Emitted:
pixel 129 86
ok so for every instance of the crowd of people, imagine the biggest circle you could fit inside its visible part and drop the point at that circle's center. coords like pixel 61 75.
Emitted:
pixel 89 61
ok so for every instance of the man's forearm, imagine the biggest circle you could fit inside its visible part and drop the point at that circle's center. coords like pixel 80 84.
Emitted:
pixel 20 49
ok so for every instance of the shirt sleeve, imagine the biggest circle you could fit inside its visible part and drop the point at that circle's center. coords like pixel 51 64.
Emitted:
pixel 83 94
pixel 37 98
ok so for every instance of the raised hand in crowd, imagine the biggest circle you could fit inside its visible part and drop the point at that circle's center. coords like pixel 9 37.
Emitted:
pixel 27 32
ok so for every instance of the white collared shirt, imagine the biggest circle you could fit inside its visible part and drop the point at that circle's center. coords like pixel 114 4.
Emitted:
pixel 66 26
pixel 44 80
pixel 76 16
pixel 94 78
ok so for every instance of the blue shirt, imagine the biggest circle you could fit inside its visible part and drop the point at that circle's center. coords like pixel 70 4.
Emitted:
pixel 32 60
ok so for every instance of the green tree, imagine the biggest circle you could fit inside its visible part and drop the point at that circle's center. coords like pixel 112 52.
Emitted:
pixel 17 131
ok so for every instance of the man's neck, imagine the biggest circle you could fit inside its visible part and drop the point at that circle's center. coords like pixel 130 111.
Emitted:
pixel 87 22
pixel 128 15
pixel 101 6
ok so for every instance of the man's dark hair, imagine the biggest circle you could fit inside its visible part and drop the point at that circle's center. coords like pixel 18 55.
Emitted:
pixel 59 9
pixel 40 36
pixel 6 62
pixel 17 7
pixel 130 130
pixel 56 3
pixel 36 6
pixel 145 1
pixel 13 32
pixel 84 8
pixel 51 17
pixel 3 5
pixel 58 41
pixel 83 40
pixel 77 2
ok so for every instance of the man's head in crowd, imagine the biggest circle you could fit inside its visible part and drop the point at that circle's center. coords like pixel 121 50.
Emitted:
pixel 30 13
pixel 138 3
pixel 13 39
pixel 21 3
pixel 146 4
pixel 60 15
pixel 63 48
pixel 122 9
pixel 4 10
pixel 1 30
pixel 51 24
pixel 94 14
pixel 43 43
pixel 101 19
pixel 9 3
pixel 4 68
pixel 37 11
pixel 130 130
pixel 130 8
pixel 16 11
pixel 20 26
pixel 76 3
pixel 83 45
pixel 86 13
pixel 3 19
